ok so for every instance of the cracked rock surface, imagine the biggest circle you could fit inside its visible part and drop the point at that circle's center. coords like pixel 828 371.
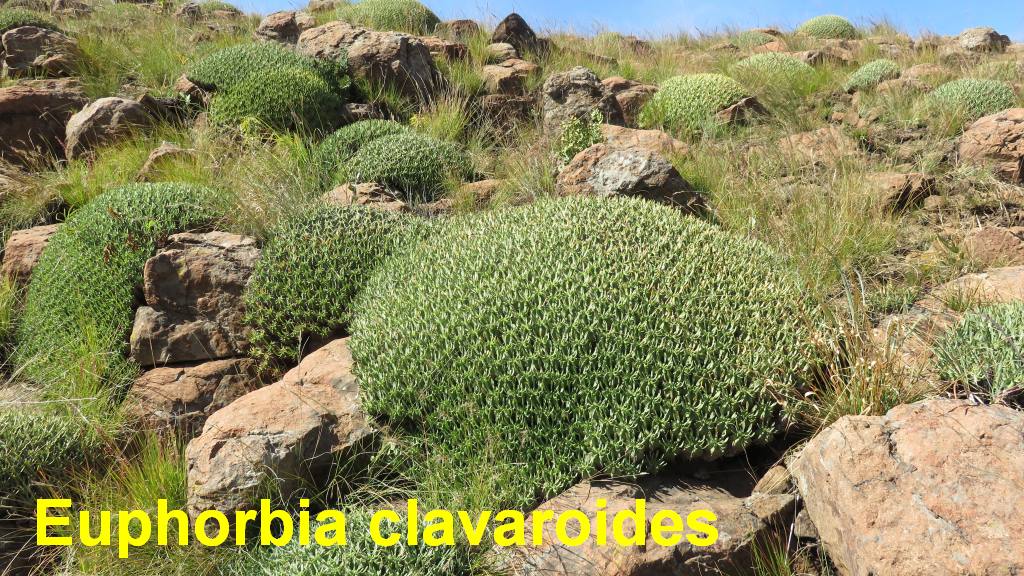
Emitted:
pixel 934 487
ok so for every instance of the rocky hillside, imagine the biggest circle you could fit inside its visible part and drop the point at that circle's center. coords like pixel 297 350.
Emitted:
pixel 351 255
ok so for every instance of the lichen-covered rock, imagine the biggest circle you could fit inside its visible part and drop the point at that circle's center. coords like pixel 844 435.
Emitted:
pixel 31 50
pixel 285 26
pixel 604 170
pixel 508 77
pixel 983 39
pixel 286 433
pixel 929 488
pixel 22 251
pixel 500 51
pixel 997 139
pixel 575 94
pixel 102 122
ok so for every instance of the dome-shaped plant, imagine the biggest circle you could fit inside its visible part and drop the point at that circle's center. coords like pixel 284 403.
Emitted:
pixel 829 27
pixel 35 444
pixel 80 303
pixel 581 335
pixel 339 146
pixel 687 103
pixel 752 39
pixel 280 99
pixel 872 74
pixel 772 66
pixel 974 97
pixel 985 351
pixel 401 15
pixel 11 18
pixel 419 166
pixel 311 269
pixel 226 68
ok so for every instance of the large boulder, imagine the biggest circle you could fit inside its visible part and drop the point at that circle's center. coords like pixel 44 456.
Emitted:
pixel 284 26
pixel 33 115
pixel 285 433
pixel 22 251
pixel 656 141
pixel 515 31
pixel 604 170
pixel 391 58
pixel 983 39
pixel 30 50
pixel 992 246
pixel 194 310
pixel 994 286
pixel 739 526
pixel 997 139
pixel 631 96
pixel 102 122
pixel 180 399
pixel 929 488
pixel 508 77
pixel 574 94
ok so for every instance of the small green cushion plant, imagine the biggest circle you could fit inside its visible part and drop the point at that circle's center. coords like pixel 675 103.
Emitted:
pixel 281 99
pixel 985 351
pixel 752 39
pixel 872 74
pixel 311 269
pixel 399 15
pixel 973 97
pixel 339 146
pixel 773 66
pixel 419 166
pixel 226 68
pixel 688 103
pixel 35 445
pixel 829 27
pixel 11 18
pixel 581 335
pixel 80 303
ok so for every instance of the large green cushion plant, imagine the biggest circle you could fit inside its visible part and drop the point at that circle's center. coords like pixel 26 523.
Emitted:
pixel 973 97
pixel 226 68
pixel 748 39
pixel 11 18
pixel 35 446
pixel 985 351
pixel 280 99
pixel 578 336
pixel 311 269
pixel 339 146
pixel 400 15
pixel 872 74
pixel 829 26
pixel 80 303
pixel 774 67
pixel 419 166
pixel 688 103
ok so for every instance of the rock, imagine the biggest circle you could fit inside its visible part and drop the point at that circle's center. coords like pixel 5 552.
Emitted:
pixel 501 51
pixel 822 56
pixel 902 86
pixel 994 286
pixel 774 509
pixel 655 141
pixel 803 526
pixel 29 50
pixel 285 26
pixel 33 115
pixel 74 8
pixel 515 31
pixel 193 11
pixel 193 290
pixel 445 49
pixel 180 399
pixel 826 145
pixel 631 96
pixel 461 30
pixel 324 5
pixel 285 433
pixel 604 170
pixel 481 192
pixel 165 151
pixel 509 77
pixel 391 58
pixel 993 246
pixel 102 122
pixel 777 480
pixel 997 139
pixel 352 112
pixel 22 251
pixel 737 525
pixel 929 488
pixel 505 111
pixel 777 45
pixel 366 194
pixel 900 191
pixel 924 72
pixel 574 94
pixel 742 111
pixel 638 46
pixel 983 39
pixel 191 91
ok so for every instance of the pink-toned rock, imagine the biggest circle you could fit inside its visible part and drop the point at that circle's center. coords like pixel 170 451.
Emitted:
pixel 929 488
pixel 983 39
pixel 366 194
pixel 398 60
pixel 902 190
pixel 742 111
pixel 33 116
pixel 777 45
pixel 631 95
pixel 993 246
pixel 180 399
pixel 997 139
pixel 191 90
pixel 287 433
pixel 445 49
pixel 22 252
pixel 102 122
pixel 461 29
pixel 509 77
pixel 924 72
pixel 194 310
pixel 826 145
pixel 30 50
pixel 994 286
pixel 285 26
pixel 656 141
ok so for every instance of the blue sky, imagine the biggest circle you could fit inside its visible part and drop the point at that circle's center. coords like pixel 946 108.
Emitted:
pixel 657 17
